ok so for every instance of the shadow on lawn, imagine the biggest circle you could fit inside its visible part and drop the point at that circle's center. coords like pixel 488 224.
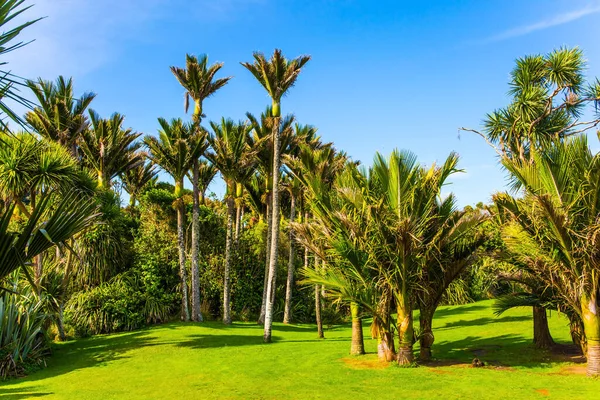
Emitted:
pixel 21 393
pixel 446 312
pixel 483 321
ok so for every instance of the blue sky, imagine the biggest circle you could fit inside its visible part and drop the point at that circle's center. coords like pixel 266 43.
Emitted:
pixel 384 75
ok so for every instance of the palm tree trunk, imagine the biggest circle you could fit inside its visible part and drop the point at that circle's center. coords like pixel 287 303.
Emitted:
pixel 261 318
pixel 274 230
pixel 196 314
pixel 358 344
pixel 238 220
pixel 426 339
pixel 318 306
pixel 591 327
pixel 228 249
pixel 287 315
pixel 185 312
pixel 542 339
pixel 405 328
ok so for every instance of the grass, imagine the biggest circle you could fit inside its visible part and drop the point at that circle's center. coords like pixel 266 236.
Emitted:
pixel 213 361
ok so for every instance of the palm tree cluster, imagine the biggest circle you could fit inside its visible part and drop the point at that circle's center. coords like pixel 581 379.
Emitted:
pixel 549 222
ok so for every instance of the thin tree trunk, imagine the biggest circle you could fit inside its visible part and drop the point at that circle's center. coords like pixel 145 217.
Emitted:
pixel 426 339
pixel 228 249
pixel 318 307
pixel 185 311
pixel 542 339
pixel 358 343
pixel 196 314
pixel 405 328
pixel 261 318
pixel 287 315
pixel 63 294
pixel 238 220
pixel 274 230
pixel 591 327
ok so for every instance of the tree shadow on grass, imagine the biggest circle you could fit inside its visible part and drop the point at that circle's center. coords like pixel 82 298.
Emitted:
pixel 509 350
pixel 483 321
pixel 88 353
pixel 22 393
pixel 455 310
pixel 199 341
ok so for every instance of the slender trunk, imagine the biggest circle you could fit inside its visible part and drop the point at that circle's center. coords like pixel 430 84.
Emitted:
pixel 39 269
pixel 358 343
pixel 274 229
pixel 576 331
pixel 426 339
pixel 185 311
pixel 196 313
pixel 591 327
pixel 405 328
pixel 318 312
pixel 238 220
pixel 228 249
pixel 261 318
pixel 287 315
pixel 542 339
pixel 62 297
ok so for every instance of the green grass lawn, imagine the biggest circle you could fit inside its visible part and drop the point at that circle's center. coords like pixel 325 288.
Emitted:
pixel 213 361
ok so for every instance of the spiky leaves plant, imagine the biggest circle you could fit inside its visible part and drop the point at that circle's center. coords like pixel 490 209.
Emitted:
pixel 174 151
pixel 198 80
pixel 60 116
pixel 231 153
pixel 562 184
pixel 276 75
pixel 9 10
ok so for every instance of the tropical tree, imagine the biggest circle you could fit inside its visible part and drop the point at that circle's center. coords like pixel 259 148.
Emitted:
pixel 174 151
pixel 262 143
pixel 562 185
pixel 198 80
pixel 110 149
pixel 206 174
pixel 60 116
pixel 451 242
pixel 230 152
pixel 135 179
pixel 549 93
pixel 277 75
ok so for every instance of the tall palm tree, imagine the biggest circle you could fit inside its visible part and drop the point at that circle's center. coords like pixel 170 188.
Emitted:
pixel 135 179
pixel 276 75
pixel 110 149
pixel 206 173
pixel 230 152
pixel 174 151
pixel 262 142
pixel 198 80
pixel 59 116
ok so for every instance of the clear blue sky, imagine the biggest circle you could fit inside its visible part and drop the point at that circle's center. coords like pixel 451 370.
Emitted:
pixel 384 74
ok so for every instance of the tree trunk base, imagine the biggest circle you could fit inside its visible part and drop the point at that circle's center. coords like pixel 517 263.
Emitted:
pixel 542 339
pixel 425 354
pixel 405 355
pixel 358 345
pixel 593 359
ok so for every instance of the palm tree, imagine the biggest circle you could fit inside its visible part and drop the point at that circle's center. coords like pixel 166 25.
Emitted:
pixel 60 116
pixel 135 179
pixel 277 76
pixel 404 196
pixel 206 173
pixel 451 242
pixel 175 150
pixel 230 153
pixel 198 80
pixel 262 142
pixel 110 149
pixel 560 215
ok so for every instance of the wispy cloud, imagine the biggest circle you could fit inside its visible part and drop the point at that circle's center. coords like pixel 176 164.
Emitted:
pixel 560 19
pixel 80 36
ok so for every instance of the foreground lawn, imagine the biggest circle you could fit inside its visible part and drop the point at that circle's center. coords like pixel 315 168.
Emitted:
pixel 212 361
